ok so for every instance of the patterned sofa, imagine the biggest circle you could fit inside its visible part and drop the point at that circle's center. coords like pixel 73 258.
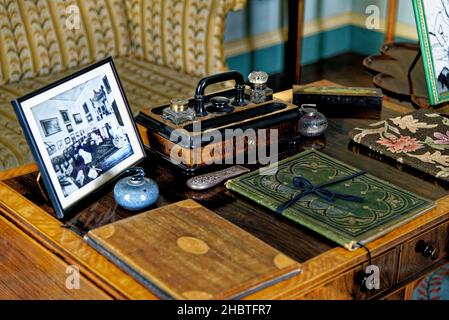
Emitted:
pixel 161 49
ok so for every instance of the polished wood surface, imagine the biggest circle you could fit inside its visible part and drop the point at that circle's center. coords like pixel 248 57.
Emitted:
pixel 16 172
pixel 20 279
pixel 322 261
pixel 349 285
pixel 413 259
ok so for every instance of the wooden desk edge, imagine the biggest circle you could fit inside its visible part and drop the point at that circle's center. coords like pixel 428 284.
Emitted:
pixel 48 231
pixel 316 271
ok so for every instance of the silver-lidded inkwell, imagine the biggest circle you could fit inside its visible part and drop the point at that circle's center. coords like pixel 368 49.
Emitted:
pixel 259 90
pixel 312 123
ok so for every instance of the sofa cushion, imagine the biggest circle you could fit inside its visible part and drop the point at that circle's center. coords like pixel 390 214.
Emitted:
pixel 184 35
pixel 41 37
pixel 145 84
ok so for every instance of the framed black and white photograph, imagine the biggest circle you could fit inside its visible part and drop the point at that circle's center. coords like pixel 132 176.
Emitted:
pixel 95 153
pixel 106 84
pixel 65 116
pixel 432 20
pixel 77 118
pixel 86 108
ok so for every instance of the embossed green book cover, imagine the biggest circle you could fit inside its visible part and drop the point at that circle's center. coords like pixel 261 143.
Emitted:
pixel 336 200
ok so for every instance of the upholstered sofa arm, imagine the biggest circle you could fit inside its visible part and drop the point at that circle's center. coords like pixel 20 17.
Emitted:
pixel 184 35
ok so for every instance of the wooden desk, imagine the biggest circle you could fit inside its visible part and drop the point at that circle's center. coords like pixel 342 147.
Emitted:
pixel 329 270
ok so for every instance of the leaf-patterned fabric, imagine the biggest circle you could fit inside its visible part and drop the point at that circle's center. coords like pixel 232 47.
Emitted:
pixel 161 49
pixel 39 37
pixel 419 139
pixel 183 35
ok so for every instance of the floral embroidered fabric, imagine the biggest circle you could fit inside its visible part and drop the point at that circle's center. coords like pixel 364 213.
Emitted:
pixel 419 139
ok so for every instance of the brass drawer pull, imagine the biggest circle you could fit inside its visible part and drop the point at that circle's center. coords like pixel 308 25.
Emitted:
pixel 427 249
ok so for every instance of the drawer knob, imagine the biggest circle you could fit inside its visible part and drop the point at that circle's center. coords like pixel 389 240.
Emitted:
pixel 427 249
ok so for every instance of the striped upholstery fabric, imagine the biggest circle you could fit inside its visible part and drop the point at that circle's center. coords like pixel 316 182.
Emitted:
pixel 39 37
pixel 183 35
pixel 161 49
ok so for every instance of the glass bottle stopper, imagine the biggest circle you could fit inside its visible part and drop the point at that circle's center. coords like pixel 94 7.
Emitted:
pixel 258 78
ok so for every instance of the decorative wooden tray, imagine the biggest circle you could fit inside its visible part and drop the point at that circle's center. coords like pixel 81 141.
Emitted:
pixel 399 72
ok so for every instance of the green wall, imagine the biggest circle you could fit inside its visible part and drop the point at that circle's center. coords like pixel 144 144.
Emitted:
pixel 262 16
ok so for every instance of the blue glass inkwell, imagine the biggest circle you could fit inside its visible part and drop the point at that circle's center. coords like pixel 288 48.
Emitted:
pixel 136 192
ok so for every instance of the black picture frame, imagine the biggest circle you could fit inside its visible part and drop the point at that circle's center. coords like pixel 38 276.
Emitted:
pixel 85 108
pixel 86 193
pixel 65 116
pixel 106 85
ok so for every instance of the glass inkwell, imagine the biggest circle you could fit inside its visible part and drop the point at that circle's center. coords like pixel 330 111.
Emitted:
pixel 312 123
pixel 259 90
pixel 179 112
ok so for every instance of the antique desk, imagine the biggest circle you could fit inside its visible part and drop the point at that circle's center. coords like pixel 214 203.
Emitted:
pixel 35 249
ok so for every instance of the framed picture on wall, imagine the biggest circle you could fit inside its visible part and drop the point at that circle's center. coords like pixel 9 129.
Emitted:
pixel 77 118
pixel 50 126
pixel 93 162
pixel 432 21
pixel 65 116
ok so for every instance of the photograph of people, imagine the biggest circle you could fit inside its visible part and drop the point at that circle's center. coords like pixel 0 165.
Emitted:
pixel 95 146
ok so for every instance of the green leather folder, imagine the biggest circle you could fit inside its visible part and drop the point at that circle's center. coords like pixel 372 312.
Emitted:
pixel 351 224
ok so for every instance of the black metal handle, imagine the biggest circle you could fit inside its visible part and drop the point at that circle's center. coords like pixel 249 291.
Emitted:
pixel 239 99
pixel 427 249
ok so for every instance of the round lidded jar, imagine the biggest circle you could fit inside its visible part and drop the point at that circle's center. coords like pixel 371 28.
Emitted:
pixel 312 123
pixel 136 192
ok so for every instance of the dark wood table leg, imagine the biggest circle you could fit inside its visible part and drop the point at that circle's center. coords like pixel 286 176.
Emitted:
pixel 294 45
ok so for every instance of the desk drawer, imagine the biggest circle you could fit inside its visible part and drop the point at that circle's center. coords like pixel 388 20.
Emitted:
pixel 423 251
pixel 348 286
